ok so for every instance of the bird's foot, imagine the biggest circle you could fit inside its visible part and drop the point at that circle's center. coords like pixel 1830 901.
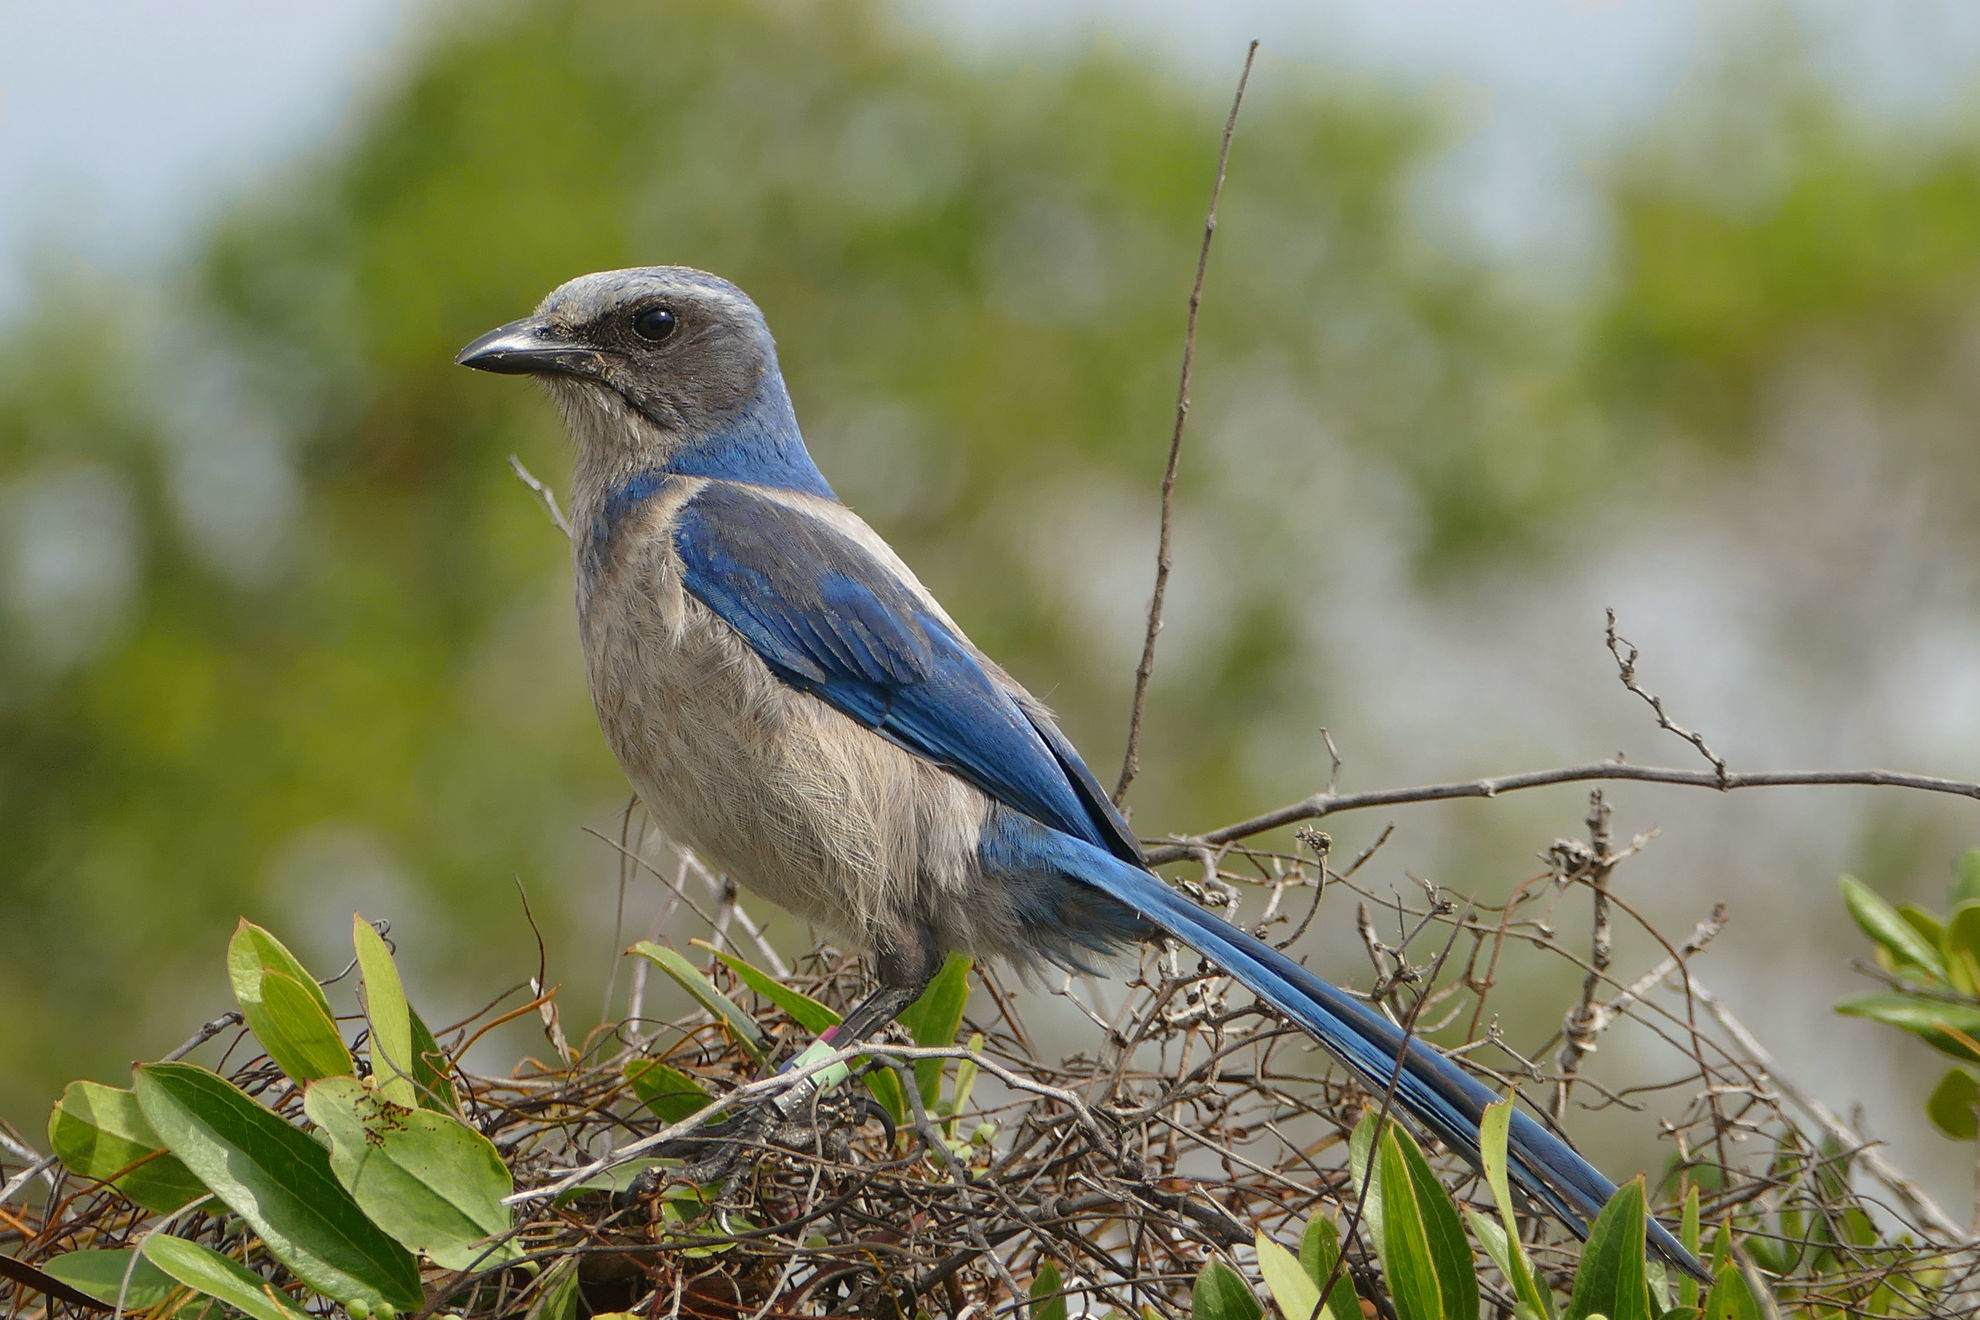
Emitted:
pixel 798 1119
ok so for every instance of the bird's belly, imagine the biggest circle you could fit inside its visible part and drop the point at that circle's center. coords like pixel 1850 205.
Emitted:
pixel 770 784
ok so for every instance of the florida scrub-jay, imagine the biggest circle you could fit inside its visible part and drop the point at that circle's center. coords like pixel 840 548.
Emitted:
pixel 793 704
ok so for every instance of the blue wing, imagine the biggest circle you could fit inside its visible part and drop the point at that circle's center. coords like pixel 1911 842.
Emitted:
pixel 831 619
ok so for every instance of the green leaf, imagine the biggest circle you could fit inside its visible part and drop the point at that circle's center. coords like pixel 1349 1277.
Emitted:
pixel 279 1180
pixel 206 1271
pixel 293 1030
pixel 285 1007
pixel 1688 1234
pixel 1319 1248
pixel 1221 1294
pixel 801 1008
pixel 1951 1105
pixel 1611 1280
pixel 102 1275
pixel 1408 1259
pixel 1961 945
pixel 557 1295
pixel 934 1019
pixel 1450 1250
pixel 966 1074
pixel 1929 926
pixel 886 1088
pixel 392 1058
pixel 1517 1268
pixel 1730 1298
pixel 1881 923
pixel 431 1069
pixel 1048 1300
pixel 685 974
pixel 1966 879
pixel 1947 1027
pixel 253 950
pixel 671 1094
pixel 428 1179
pixel 99 1133
pixel 1367 1186
pixel 1297 1295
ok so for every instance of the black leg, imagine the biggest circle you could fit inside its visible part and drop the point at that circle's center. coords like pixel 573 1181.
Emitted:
pixel 904 975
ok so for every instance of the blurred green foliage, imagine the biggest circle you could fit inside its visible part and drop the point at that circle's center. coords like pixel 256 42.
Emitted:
pixel 282 632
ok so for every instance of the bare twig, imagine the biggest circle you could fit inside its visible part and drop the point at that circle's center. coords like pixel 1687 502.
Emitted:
pixel 1328 804
pixel 543 493
pixel 1143 672
pixel 1626 654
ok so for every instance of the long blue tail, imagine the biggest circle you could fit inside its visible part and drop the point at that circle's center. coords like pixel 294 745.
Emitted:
pixel 1429 1088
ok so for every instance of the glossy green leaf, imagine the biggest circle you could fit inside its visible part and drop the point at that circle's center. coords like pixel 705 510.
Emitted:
pixel 103 1275
pixel 221 1277
pixel 1408 1259
pixel 1319 1248
pixel 934 1019
pixel 1610 1280
pixel 557 1294
pixel 1880 921
pixel 385 1007
pixel 1947 1027
pixel 99 1133
pixel 801 1008
pixel 671 1094
pixel 1222 1294
pixel 1295 1293
pixel 685 974
pixel 432 1182
pixel 1048 1301
pixel 1527 1288
pixel 432 1069
pixel 285 1007
pixel 279 1180
pixel 1951 1105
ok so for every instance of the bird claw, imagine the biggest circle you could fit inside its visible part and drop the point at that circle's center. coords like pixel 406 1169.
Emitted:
pixel 798 1120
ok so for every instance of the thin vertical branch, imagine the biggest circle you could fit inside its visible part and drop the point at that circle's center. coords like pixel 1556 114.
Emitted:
pixel 1130 762
pixel 1579 1031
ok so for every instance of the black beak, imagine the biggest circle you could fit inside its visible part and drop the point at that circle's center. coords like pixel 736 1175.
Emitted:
pixel 530 348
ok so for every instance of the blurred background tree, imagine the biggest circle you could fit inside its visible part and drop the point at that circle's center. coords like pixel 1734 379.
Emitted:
pixel 284 636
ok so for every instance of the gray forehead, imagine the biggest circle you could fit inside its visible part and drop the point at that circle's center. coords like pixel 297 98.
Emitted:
pixel 584 299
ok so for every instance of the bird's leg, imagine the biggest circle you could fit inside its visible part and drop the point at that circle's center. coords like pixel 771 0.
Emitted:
pixel 904 975
pixel 868 1016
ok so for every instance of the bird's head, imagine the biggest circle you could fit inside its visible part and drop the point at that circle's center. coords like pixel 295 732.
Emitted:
pixel 643 362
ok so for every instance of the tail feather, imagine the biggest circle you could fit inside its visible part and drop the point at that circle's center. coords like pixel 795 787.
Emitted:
pixel 1428 1088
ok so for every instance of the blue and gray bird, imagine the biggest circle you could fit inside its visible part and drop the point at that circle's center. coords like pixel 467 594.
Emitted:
pixel 790 702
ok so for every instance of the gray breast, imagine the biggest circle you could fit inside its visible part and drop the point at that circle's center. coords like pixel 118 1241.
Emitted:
pixel 792 798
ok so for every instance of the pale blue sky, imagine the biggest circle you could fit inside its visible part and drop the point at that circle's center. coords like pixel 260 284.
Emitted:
pixel 123 123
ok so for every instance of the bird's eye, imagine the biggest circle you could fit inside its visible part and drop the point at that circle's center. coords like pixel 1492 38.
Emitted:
pixel 655 324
